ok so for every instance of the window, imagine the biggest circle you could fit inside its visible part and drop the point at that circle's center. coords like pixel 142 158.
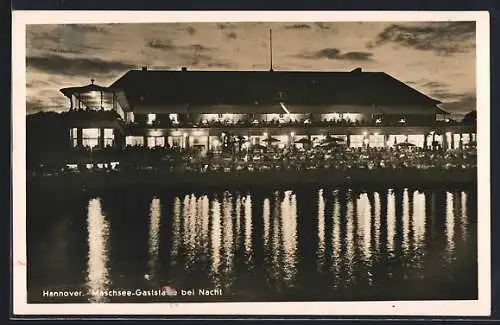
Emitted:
pixel 90 137
pixel 130 117
pixel 151 119
pixel 156 142
pixel 174 118
pixel 73 135
pixel 134 141
pixel 109 137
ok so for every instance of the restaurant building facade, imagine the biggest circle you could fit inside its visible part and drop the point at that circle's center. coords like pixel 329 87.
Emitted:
pixel 210 109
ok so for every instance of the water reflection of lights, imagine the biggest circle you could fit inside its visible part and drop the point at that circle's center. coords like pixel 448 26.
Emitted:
pixel 321 226
pixel 350 240
pixel 289 238
pixel 419 217
pixel 97 267
pixel 176 229
pixel 450 227
pixel 227 229
pixel 463 216
pixel 364 224
pixel 376 196
pixel 215 237
pixel 248 223
pixel 406 220
pixel 154 234
pixel 391 220
pixel 205 219
pixel 336 235
pixel 266 212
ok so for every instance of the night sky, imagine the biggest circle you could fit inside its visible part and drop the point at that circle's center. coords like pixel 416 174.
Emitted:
pixel 437 58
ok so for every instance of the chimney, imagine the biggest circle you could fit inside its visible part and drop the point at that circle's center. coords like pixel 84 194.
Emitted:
pixel 183 69
pixel 144 68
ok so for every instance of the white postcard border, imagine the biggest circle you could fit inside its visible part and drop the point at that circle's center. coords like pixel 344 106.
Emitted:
pixel 480 307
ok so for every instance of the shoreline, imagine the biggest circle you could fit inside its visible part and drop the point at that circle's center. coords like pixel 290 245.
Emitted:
pixel 192 180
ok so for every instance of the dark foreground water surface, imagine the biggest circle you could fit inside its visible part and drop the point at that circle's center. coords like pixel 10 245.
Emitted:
pixel 287 244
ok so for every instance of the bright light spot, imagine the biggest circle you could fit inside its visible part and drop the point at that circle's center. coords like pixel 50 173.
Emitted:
pixel 365 133
pixel 376 133
pixel 151 118
pixel 292 134
pixel 265 134
pixel 284 108
pixel 176 133
pixel 378 120
pixel 185 134
pixel 402 120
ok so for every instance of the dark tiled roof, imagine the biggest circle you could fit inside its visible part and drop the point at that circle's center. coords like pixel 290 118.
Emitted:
pixel 161 87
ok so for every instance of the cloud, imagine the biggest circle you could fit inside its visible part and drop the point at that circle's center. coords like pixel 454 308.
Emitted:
pixel 160 44
pixel 87 28
pixel 324 26
pixel 467 103
pixel 55 64
pixel 298 26
pixel 443 38
pixel 336 54
pixel 223 26
pixel 199 48
pixel 191 30
pixel 231 35
pixel 434 84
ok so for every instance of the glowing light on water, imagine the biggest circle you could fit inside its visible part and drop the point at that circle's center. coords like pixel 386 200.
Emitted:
pixel 97 262
pixel 227 236
pixel 176 229
pixel 376 196
pixel 216 236
pixel 289 238
pixel 463 217
pixel 391 219
pixel 450 227
pixel 266 213
pixel 321 225
pixel 406 220
pixel 154 234
pixel 205 219
pixel 419 217
pixel 336 234
pixel 248 223
pixel 364 224
pixel 350 239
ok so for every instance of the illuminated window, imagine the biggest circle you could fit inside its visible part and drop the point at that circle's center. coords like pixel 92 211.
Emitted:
pixel 174 118
pixel 109 137
pixel 130 117
pixel 416 139
pixel 134 140
pixel 156 142
pixel 73 135
pixel 376 141
pixel 356 141
pixel 90 137
pixel 151 118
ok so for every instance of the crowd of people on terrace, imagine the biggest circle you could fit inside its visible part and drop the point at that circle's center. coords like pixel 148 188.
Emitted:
pixel 262 158
pixel 248 123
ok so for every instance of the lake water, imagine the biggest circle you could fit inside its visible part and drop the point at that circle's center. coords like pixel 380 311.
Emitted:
pixel 309 244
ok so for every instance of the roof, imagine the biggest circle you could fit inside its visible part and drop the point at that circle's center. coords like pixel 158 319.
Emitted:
pixel 87 94
pixel 264 90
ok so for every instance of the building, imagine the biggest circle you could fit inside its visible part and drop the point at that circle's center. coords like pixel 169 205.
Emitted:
pixel 211 109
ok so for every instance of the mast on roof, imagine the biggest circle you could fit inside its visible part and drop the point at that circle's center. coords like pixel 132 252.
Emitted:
pixel 271 49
